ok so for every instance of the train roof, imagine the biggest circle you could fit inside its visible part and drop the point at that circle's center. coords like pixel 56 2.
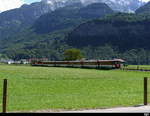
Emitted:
pixel 115 60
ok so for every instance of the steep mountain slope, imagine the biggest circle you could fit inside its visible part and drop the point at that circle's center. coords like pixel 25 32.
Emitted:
pixel 48 32
pixel 95 10
pixel 115 36
pixel 15 20
pixel 117 5
pixel 144 9
pixel 124 31
pixel 70 16
pixel 47 28
pixel 55 4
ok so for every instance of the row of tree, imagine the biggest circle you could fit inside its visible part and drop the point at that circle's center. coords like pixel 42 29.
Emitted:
pixel 107 52
pixel 133 56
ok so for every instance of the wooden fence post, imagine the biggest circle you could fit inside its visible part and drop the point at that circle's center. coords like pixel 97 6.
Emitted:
pixel 145 90
pixel 4 96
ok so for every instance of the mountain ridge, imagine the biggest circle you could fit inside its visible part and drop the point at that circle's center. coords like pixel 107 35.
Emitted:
pixel 70 16
pixel 145 9
pixel 117 5
pixel 59 25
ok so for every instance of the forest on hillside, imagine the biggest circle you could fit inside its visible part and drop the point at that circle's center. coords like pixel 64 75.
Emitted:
pixel 98 35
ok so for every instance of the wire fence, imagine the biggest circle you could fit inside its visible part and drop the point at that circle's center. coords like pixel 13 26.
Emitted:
pixel 75 93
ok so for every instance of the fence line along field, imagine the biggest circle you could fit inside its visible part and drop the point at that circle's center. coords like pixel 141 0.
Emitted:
pixel 39 88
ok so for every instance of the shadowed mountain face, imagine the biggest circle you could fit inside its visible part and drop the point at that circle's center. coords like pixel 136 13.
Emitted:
pixel 117 5
pixel 47 28
pixel 60 19
pixel 144 9
pixel 125 31
pixel 15 20
pixel 70 16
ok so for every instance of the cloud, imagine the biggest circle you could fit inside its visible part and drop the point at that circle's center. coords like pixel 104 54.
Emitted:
pixel 145 0
pixel 10 4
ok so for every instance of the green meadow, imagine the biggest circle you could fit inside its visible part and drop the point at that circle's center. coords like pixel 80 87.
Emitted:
pixel 145 67
pixel 41 88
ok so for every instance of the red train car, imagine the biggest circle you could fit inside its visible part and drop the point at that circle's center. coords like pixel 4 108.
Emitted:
pixel 116 63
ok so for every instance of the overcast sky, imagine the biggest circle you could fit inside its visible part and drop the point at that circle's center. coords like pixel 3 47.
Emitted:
pixel 145 0
pixel 30 1
pixel 10 4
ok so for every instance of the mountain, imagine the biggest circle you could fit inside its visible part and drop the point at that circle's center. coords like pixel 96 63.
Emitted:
pixel 18 19
pixel 55 4
pixel 49 30
pixel 120 35
pixel 123 31
pixel 70 16
pixel 95 10
pixel 144 9
pixel 117 5
pixel 15 20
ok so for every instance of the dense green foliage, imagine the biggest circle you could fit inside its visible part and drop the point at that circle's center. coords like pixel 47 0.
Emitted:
pixel 126 36
pixel 107 52
pixel 72 54
pixel 119 35
pixel 31 45
pixel 119 30
pixel 46 38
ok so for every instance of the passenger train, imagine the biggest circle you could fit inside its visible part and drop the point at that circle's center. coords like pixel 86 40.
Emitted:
pixel 114 64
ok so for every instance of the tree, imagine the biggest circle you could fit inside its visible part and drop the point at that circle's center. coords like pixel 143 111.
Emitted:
pixel 72 54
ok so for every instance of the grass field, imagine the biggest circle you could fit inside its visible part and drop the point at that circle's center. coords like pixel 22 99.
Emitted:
pixel 34 88
pixel 145 67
